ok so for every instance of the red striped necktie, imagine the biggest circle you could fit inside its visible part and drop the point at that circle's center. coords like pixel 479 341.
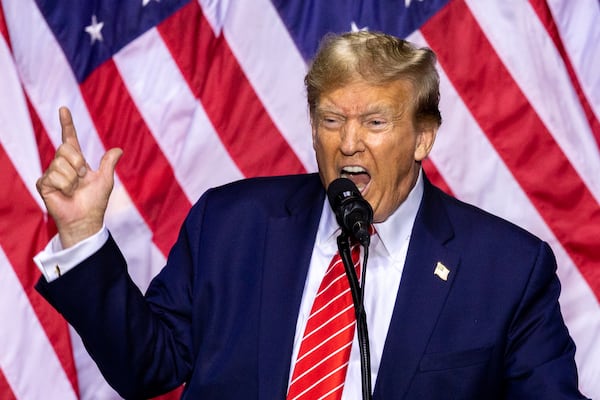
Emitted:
pixel 320 369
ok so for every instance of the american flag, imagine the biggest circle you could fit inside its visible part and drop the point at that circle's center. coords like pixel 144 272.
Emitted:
pixel 200 93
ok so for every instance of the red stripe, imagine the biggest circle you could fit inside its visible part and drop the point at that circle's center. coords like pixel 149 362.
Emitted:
pixel 172 395
pixel 46 151
pixel 4 28
pixel 217 80
pixel 518 135
pixel 6 392
pixel 435 177
pixel 23 233
pixel 45 147
pixel 143 169
pixel 545 15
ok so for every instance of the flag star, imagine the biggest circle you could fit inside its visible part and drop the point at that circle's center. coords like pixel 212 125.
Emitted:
pixel 94 29
pixel 146 2
pixel 355 28
pixel 407 3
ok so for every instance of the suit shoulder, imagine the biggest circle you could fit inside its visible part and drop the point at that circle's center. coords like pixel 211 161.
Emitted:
pixel 477 221
pixel 269 187
pixel 263 193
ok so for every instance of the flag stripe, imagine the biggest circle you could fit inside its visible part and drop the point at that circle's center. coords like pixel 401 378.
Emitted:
pixel 158 196
pixel 577 22
pixel 27 221
pixel 255 33
pixel 141 61
pixel 539 165
pixel 538 70
pixel 238 116
pixel 36 51
pixel 45 148
pixel 15 126
pixel 543 11
pixel 490 182
pixel 22 218
pixel 4 33
pixel 435 177
pixel 27 359
pixel 5 390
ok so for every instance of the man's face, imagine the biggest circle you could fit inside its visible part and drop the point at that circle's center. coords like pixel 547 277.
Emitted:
pixel 366 133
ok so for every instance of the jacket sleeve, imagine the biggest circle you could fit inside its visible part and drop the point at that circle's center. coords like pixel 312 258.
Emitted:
pixel 141 344
pixel 540 353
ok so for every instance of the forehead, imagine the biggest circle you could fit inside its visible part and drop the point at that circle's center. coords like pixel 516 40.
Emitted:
pixel 361 97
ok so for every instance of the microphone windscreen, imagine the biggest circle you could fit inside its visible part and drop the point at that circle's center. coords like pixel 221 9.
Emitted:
pixel 341 189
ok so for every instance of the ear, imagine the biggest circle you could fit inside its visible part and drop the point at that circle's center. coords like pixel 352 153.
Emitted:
pixel 425 138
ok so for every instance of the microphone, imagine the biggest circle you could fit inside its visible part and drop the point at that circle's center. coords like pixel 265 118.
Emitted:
pixel 353 213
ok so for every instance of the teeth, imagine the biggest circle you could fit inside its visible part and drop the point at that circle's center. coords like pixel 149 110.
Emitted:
pixel 353 170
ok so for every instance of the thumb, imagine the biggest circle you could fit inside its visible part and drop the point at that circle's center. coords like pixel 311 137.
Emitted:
pixel 109 161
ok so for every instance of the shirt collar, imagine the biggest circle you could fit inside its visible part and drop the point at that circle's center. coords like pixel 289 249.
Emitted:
pixel 398 227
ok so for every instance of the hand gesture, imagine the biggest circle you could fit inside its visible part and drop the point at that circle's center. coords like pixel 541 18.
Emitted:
pixel 75 196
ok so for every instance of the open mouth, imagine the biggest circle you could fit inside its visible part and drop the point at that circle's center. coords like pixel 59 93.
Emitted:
pixel 358 175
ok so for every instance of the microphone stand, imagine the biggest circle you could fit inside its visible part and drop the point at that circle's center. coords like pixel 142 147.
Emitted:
pixel 361 318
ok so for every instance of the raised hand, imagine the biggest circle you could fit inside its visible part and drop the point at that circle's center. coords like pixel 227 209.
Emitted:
pixel 75 196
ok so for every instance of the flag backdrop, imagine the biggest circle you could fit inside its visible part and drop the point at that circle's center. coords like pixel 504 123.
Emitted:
pixel 199 93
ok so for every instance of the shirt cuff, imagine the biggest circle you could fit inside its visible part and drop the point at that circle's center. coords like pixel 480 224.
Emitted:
pixel 54 261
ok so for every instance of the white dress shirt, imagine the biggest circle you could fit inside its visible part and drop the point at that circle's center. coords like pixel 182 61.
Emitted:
pixel 55 261
pixel 387 254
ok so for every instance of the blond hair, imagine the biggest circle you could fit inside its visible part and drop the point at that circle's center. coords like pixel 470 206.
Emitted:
pixel 379 59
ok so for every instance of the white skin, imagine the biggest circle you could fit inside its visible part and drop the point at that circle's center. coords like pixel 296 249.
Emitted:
pixel 366 133
pixel 75 195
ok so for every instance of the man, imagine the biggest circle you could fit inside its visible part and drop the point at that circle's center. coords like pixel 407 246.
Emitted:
pixel 460 304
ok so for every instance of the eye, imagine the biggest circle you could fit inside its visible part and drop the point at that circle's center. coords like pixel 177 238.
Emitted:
pixel 376 124
pixel 331 122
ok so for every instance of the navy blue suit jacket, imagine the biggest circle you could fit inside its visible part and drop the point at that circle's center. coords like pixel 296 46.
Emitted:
pixel 221 315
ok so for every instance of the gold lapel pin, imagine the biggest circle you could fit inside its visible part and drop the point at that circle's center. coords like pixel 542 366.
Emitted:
pixel 441 271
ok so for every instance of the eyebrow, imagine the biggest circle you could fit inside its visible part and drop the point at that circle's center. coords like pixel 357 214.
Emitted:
pixel 385 112
pixel 375 109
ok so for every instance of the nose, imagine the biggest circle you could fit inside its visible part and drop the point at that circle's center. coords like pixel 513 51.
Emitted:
pixel 351 140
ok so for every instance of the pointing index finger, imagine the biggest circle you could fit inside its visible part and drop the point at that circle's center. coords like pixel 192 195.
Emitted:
pixel 69 134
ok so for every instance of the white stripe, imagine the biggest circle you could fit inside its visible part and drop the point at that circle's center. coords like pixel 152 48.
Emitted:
pixel 326 322
pixel 491 186
pixel 340 276
pixel 578 25
pixel 17 136
pixel 273 65
pixel 324 306
pixel 27 358
pixel 351 324
pixel 319 381
pixel 335 389
pixel 321 361
pixel 36 52
pixel 174 116
pixel 523 45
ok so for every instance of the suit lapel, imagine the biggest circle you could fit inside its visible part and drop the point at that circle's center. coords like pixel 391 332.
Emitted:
pixel 421 297
pixel 289 243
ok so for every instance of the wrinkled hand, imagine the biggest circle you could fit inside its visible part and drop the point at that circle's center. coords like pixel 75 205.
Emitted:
pixel 75 196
